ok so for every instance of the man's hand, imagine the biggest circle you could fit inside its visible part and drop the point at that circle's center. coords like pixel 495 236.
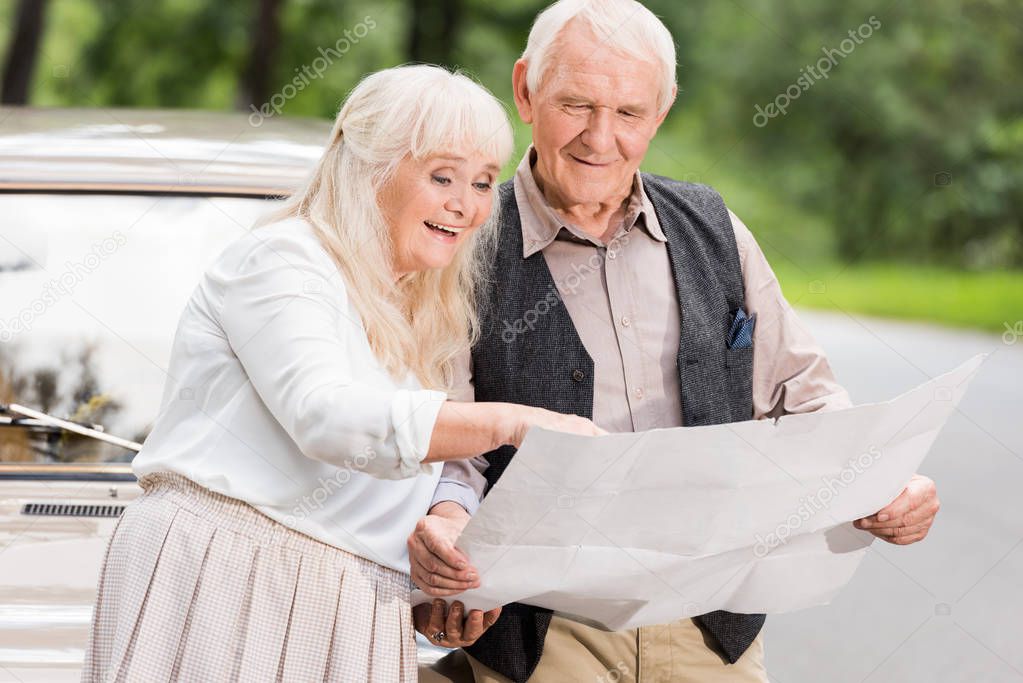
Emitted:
pixel 908 518
pixel 449 627
pixel 438 567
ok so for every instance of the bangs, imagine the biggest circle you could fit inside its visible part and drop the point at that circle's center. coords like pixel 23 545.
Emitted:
pixel 457 116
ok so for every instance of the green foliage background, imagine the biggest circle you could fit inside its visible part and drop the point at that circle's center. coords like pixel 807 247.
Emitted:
pixel 891 187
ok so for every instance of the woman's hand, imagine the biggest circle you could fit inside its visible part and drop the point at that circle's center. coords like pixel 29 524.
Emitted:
pixel 452 627
pixel 525 417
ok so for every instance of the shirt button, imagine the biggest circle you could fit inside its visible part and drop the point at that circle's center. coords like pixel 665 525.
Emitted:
pixel 638 393
pixel 611 254
pixel 578 375
pixel 626 321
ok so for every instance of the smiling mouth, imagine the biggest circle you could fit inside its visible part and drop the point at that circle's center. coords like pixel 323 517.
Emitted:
pixel 448 230
pixel 589 163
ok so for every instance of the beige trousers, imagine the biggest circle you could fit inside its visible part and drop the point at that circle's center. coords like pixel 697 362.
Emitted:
pixel 679 652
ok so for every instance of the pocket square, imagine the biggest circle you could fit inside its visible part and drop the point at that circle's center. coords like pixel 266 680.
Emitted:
pixel 740 335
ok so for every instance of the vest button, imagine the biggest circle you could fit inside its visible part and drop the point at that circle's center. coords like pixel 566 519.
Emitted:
pixel 578 375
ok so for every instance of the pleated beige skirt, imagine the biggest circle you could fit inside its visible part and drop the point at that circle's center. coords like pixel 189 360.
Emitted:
pixel 200 587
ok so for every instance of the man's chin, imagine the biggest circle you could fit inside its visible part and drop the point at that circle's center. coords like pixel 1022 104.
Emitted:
pixel 595 195
pixel 589 187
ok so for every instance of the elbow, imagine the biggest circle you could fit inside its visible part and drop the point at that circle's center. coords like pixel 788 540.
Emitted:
pixel 355 453
pixel 358 453
pixel 352 453
pixel 354 435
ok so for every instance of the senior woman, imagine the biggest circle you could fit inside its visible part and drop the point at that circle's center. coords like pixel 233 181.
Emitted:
pixel 304 416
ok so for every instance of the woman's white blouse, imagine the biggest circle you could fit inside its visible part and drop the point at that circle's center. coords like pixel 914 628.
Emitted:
pixel 274 397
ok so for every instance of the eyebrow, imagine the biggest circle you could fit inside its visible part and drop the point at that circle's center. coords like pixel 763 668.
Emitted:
pixel 643 108
pixel 575 98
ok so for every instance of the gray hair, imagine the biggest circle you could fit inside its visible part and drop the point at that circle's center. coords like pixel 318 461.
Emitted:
pixel 624 26
pixel 427 319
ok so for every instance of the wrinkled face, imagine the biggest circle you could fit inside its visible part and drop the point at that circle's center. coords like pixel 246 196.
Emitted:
pixel 432 205
pixel 593 118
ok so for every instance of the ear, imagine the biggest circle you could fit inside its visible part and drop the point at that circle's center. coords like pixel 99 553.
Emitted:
pixel 520 90
pixel 663 115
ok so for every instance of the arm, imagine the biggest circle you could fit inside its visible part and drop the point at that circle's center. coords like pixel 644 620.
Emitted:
pixel 462 481
pixel 792 375
pixel 432 544
pixel 285 313
pixel 438 567
pixel 441 569
pixel 464 430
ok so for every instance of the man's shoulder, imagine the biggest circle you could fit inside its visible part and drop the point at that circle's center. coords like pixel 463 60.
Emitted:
pixel 506 197
pixel 687 201
pixel 669 188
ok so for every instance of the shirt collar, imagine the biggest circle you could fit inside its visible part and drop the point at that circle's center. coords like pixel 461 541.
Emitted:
pixel 541 225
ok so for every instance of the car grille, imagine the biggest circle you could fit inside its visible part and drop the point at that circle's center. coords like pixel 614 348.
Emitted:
pixel 66 510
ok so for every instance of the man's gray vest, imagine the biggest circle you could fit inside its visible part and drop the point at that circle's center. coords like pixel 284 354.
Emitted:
pixel 544 364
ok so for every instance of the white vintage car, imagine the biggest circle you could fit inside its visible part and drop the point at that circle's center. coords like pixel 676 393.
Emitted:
pixel 107 220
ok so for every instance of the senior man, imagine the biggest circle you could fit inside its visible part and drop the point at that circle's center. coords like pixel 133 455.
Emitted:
pixel 661 311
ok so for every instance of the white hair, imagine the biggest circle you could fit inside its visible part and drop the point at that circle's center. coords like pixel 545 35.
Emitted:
pixel 624 26
pixel 422 322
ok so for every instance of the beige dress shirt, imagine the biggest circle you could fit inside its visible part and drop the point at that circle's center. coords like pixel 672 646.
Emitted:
pixel 622 299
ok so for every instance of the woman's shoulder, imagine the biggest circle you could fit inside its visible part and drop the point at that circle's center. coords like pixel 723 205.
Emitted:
pixel 285 250
pixel 288 242
pixel 292 238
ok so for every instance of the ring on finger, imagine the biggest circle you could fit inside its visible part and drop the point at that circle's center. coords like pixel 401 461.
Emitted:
pixel 439 636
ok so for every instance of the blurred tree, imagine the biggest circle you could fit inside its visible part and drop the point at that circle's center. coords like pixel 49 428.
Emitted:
pixel 903 122
pixel 910 148
pixel 39 388
pixel 164 53
pixel 14 442
pixel 87 384
pixel 23 52
pixel 255 85
pixel 497 38
pixel 433 30
pixel 45 386
pixel 76 448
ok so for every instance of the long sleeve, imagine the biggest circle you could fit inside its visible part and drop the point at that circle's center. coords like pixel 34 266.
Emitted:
pixel 286 316
pixel 791 374
pixel 462 481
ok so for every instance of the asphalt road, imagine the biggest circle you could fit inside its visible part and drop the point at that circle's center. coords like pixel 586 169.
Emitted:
pixel 951 607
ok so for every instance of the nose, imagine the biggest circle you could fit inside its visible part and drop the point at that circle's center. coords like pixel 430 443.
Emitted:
pixel 599 132
pixel 455 203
